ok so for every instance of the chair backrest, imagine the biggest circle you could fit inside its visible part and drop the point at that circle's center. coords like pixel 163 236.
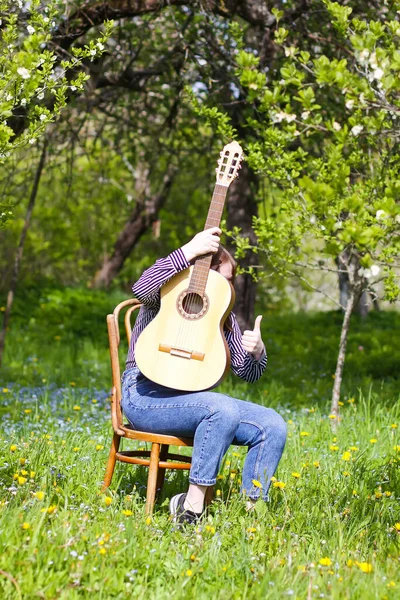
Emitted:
pixel 114 339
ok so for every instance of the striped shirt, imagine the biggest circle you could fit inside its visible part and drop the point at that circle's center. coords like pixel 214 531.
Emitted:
pixel 147 290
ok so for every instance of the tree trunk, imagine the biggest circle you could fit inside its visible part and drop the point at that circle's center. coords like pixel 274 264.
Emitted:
pixel 20 249
pixel 241 208
pixel 363 305
pixel 342 354
pixel 144 214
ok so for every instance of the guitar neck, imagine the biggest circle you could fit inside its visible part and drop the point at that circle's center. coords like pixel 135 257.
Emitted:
pixel 198 280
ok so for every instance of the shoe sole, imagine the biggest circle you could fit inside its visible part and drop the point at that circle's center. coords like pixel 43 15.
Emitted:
pixel 173 505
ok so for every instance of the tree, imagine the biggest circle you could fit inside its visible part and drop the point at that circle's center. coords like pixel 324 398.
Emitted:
pixel 326 139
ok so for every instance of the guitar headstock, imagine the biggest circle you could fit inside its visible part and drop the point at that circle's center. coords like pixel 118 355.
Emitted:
pixel 229 163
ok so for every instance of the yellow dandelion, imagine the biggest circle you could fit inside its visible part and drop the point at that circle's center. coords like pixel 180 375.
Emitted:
pixel 22 461
pixel 94 401
pixel 346 473
pixel 127 513
pixel 364 567
pixel 23 472
pixel 332 416
pixel 396 448
pixel 72 383
pixel 341 403
pixel 279 484
pixel 76 449
pixel 391 584
pixel 26 526
pixel 77 407
pixel 107 500
pixel 397 527
pixel 394 426
pixel 32 474
pixel 102 550
pixel 189 573
pixel 13 448
pixel 256 483
pixel 50 509
pixel 373 441
pixel 304 433
pixel 148 520
pixel 39 495
pixel 388 494
pixel 295 475
pixel 325 561
pixel 353 448
pixel 22 480
pixel 350 563
pixel 355 492
pixel 99 447
pixel 316 464
pixel 5 390
pixel 333 448
pixel 346 456
pixel 27 411
pixel 251 529
pixel 351 400
pixel 218 493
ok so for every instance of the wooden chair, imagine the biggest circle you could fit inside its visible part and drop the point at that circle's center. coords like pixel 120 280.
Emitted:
pixel 158 458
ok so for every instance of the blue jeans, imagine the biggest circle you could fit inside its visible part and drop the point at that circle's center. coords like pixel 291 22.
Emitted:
pixel 215 421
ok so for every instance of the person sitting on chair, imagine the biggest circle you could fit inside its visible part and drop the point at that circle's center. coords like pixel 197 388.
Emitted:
pixel 214 420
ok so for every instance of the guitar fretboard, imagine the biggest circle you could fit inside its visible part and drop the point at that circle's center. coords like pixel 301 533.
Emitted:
pixel 198 280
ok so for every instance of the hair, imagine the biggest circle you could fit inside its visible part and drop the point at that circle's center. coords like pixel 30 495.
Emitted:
pixel 224 256
pixel 221 257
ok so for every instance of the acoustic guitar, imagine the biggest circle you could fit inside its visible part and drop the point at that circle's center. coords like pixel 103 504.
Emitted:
pixel 184 346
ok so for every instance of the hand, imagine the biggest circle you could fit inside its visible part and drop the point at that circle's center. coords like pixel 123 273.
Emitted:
pixel 205 242
pixel 252 341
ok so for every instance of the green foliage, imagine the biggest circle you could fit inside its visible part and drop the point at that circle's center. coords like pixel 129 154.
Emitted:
pixel 29 80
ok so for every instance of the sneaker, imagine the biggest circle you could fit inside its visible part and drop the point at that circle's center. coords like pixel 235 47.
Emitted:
pixel 179 513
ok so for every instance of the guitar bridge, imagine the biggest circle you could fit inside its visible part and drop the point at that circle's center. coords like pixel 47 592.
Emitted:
pixel 181 352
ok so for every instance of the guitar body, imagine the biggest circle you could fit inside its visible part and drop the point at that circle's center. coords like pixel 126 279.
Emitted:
pixel 184 346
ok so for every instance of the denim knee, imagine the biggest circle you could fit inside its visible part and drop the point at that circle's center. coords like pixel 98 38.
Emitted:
pixel 229 414
pixel 277 429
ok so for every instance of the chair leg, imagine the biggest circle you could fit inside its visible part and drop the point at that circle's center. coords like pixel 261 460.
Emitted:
pixel 111 461
pixel 161 472
pixel 152 479
pixel 209 495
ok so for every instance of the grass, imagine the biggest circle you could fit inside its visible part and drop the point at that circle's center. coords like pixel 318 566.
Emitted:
pixel 329 532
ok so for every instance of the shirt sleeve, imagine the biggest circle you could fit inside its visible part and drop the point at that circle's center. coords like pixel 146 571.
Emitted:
pixel 243 364
pixel 147 288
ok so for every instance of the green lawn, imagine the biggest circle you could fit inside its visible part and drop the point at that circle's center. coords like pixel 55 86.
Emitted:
pixel 329 530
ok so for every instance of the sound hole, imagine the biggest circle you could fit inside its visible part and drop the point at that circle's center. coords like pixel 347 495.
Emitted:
pixel 192 304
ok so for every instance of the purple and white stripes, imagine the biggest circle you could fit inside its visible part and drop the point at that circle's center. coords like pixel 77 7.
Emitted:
pixel 147 290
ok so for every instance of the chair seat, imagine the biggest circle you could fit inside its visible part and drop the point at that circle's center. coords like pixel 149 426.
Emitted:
pixel 158 438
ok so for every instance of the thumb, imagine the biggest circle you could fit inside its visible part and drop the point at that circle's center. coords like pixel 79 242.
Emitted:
pixel 257 323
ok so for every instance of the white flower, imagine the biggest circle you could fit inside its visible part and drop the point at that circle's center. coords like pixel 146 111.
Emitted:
pixel 378 74
pixel 290 51
pixel 93 53
pixel 73 553
pixel 23 102
pixel 46 19
pixel 100 46
pixel 375 270
pixel 349 104
pixel 43 117
pixel 323 228
pixel 364 54
pixel 372 61
pixel 32 140
pixel 313 219
pixel 356 130
pixel 290 118
pixel 380 214
pixel 40 95
pixel 72 87
pixel 337 126
pixel 30 29
pixel 23 72
pixel 305 114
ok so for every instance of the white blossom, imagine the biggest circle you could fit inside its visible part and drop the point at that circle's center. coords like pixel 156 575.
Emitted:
pixel 23 72
pixel 100 46
pixel 72 87
pixel 363 57
pixel 313 219
pixel 23 102
pixel 349 104
pixel 372 61
pixel 375 270
pixel 30 29
pixel 92 53
pixel 305 114
pixel 337 126
pixel 356 130
pixel 43 117
pixel 40 95
pixel 378 74
pixel 380 214
pixel 32 140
